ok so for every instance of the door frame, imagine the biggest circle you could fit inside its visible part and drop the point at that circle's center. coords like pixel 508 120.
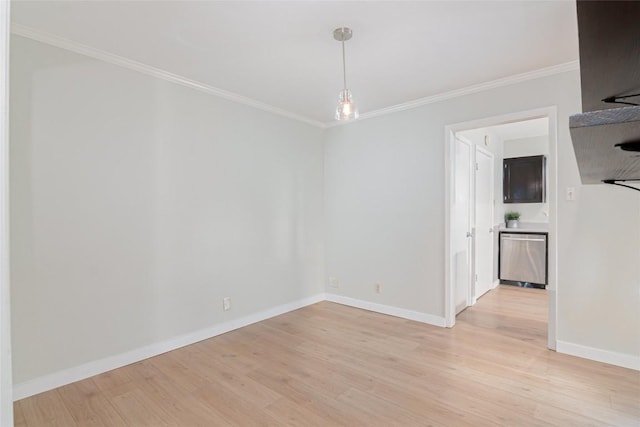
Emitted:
pixel 551 113
pixel 6 392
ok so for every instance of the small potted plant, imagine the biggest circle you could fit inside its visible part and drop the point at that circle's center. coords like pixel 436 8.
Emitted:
pixel 512 219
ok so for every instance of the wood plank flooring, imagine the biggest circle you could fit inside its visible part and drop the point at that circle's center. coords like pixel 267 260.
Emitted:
pixel 331 365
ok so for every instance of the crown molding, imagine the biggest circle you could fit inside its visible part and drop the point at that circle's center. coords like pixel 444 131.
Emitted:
pixel 43 37
pixel 505 81
pixel 47 38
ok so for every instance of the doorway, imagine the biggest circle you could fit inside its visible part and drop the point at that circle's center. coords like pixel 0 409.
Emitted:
pixel 471 254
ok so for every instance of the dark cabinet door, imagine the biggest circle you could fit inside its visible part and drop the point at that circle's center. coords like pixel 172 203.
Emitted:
pixel 524 180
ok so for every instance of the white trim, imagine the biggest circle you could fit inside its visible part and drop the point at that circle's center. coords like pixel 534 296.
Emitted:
pixel 6 400
pixel 53 40
pixel 552 168
pixel 92 52
pixel 387 309
pixel 449 292
pixel 493 84
pixel 605 356
pixel 77 373
pixel 67 376
pixel 552 237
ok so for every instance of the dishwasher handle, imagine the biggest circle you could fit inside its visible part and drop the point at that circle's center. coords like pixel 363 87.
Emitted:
pixel 525 239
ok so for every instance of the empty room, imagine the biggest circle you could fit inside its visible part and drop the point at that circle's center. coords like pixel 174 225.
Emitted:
pixel 319 213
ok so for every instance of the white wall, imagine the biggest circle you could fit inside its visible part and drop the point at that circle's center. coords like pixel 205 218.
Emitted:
pixel 385 216
pixel 599 262
pixel 522 147
pixel 138 204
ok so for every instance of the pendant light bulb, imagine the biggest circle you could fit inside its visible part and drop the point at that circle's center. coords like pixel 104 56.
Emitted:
pixel 346 109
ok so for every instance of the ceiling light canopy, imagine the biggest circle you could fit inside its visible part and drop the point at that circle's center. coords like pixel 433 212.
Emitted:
pixel 346 109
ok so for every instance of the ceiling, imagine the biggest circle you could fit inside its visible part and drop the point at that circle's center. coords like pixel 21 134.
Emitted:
pixel 283 53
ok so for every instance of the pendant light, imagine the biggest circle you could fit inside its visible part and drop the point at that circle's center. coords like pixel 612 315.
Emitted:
pixel 346 109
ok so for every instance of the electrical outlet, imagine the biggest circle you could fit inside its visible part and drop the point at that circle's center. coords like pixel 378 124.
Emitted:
pixel 226 303
pixel 378 288
pixel 571 194
pixel 333 282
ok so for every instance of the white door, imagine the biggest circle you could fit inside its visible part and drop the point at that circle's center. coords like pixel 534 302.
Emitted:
pixel 483 222
pixel 461 242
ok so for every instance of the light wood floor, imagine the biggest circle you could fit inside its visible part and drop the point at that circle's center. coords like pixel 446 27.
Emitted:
pixel 331 365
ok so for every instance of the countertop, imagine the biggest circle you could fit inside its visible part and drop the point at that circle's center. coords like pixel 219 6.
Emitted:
pixel 526 227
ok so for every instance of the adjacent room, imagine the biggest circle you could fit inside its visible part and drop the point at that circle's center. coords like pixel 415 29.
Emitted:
pixel 233 213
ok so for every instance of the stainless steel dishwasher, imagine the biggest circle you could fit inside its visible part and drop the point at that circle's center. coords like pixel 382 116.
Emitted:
pixel 523 258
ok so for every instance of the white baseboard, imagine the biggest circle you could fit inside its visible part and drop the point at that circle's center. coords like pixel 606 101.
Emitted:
pixel 388 309
pixel 67 376
pixel 619 359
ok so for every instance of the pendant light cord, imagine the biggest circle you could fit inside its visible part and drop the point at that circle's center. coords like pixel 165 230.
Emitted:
pixel 615 182
pixel 616 99
pixel 344 65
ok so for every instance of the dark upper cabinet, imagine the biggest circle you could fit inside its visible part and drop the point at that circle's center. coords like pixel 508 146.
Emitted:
pixel 609 40
pixel 609 44
pixel 524 180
